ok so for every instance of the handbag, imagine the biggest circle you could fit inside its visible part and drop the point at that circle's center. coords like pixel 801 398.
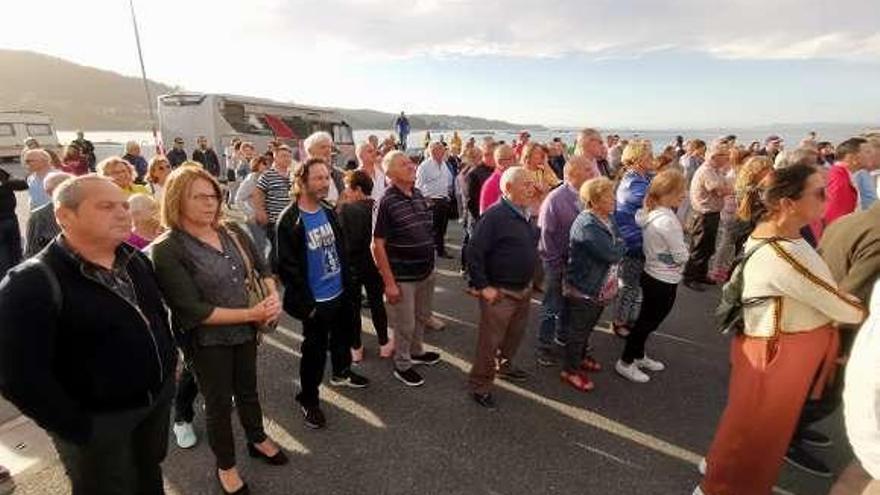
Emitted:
pixel 253 282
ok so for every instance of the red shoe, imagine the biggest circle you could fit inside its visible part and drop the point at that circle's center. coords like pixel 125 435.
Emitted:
pixel 591 365
pixel 578 380
pixel 620 329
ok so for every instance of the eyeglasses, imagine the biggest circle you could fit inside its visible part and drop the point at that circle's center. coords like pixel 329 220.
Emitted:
pixel 205 198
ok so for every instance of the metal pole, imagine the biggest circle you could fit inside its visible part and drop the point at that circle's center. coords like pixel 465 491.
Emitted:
pixel 150 102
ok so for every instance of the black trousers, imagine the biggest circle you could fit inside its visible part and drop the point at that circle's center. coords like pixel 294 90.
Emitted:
pixel 440 214
pixel 581 316
pixel 329 328
pixel 657 301
pixel 125 452
pixel 10 244
pixel 187 390
pixel 224 371
pixel 375 289
pixel 703 228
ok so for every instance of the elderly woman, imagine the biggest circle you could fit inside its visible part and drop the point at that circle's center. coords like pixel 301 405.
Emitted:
pixel 157 173
pixel 202 264
pixel 534 160
pixel 788 347
pixel 74 162
pixel 244 199
pixel 145 220
pixel 638 166
pixel 121 173
pixel 320 145
pixel 133 156
pixel 590 276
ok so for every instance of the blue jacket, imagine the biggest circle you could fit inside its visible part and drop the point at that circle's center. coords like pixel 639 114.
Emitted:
pixel 631 194
pixel 593 250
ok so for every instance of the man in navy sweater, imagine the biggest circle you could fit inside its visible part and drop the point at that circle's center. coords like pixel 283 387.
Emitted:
pixel 502 255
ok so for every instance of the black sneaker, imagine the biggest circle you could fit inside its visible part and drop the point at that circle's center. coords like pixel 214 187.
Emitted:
pixel 409 377
pixel 803 460
pixel 545 357
pixel 314 417
pixel 485 400
pixel 429 358
pixel 812 438
pixel 349 379
pixel 695 285
pixel 512 374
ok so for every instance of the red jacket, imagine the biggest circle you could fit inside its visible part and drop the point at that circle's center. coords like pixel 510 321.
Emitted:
pixel 842 196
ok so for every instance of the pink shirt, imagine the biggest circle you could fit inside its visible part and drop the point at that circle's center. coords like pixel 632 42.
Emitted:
pixel 842 195
pixel 491 191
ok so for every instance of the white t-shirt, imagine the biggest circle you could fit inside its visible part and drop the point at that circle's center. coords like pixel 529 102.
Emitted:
pixel 861 393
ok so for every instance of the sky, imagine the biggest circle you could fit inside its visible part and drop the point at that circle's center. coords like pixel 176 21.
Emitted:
pixel 611 63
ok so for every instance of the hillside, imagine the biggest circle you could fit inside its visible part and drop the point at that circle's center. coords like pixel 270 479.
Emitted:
pixel 80 97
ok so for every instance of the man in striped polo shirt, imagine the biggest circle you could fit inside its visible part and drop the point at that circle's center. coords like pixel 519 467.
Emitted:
pixel 403 248
pixel 273 191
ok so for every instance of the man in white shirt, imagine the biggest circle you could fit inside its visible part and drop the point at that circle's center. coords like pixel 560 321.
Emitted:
pixel 434 180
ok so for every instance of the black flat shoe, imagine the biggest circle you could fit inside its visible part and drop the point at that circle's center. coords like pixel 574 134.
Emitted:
pixel 279 459
pixel 243 490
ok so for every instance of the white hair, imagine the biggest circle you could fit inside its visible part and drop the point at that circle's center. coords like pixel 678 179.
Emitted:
pixel 131 146
pixel 315 138
pixel 39 152
pixel 53 179
pixel 510 176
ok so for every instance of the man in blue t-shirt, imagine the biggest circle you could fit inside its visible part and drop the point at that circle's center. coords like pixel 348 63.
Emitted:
pixel 310 261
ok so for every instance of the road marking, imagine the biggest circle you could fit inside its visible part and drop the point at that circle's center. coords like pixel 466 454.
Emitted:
pixel 608 456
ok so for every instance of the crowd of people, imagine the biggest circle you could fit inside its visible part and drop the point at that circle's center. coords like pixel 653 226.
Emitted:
pixel 192 261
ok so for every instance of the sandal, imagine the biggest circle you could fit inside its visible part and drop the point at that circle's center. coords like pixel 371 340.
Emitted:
pixel 590 364
pixel 578 380
pixel 621 330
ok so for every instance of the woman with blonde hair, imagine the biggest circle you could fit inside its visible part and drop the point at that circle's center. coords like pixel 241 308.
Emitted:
pixel 157 173
pixel 787 348
pixel 590 277
pixel 534 160
pixel 638 163
pixel 204 267
pixel 665 256
pixel 122 174
pixel 144 219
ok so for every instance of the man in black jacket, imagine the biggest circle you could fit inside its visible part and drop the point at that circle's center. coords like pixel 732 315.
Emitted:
pixel 205 155
pixel 85 348
pixel 10 232
pixel 473 185
pixel 177 154
pixel 502 255
pixel 311 262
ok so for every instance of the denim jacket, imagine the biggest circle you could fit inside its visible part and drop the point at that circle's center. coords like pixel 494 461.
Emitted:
pixel 593 249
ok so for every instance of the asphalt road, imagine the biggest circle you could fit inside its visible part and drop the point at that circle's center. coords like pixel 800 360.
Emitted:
pixel 545 438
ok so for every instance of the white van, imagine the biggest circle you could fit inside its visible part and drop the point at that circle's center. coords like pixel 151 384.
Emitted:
pixel 17 126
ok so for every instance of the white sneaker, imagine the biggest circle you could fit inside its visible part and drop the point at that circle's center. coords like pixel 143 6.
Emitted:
pixel 649 364
pixel 185 435
pixel 702 467
pixel 631 372
pixel 698 491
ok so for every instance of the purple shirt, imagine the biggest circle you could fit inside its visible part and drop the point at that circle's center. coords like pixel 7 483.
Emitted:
pixel 555 217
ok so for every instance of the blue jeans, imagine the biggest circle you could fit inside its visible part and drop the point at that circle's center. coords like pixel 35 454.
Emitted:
pixel 551 316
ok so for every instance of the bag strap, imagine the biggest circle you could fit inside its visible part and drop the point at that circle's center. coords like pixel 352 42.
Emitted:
pixel 248 264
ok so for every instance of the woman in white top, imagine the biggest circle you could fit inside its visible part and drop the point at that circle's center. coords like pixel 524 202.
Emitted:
pixel 665 256
pixel 789 343
pixel 157 173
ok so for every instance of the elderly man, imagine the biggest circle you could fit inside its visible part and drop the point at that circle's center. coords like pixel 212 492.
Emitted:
pixel 555 217
pixel 590 144
pixel 707 192
pixel 434 181
pixel 320 145
pixel 502 256
pixel 403 249
pixel 772 146
pixel 273 191
pixel 42 226
pixel 85 346
pixel 39 164
pixel 864 179
pixel 473 184
pixel 491 191
pixel 133 156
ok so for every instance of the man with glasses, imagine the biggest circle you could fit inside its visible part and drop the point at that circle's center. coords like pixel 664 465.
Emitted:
pixel 177 154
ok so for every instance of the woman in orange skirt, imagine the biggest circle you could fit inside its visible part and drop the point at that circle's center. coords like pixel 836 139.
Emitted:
pixel 789 342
